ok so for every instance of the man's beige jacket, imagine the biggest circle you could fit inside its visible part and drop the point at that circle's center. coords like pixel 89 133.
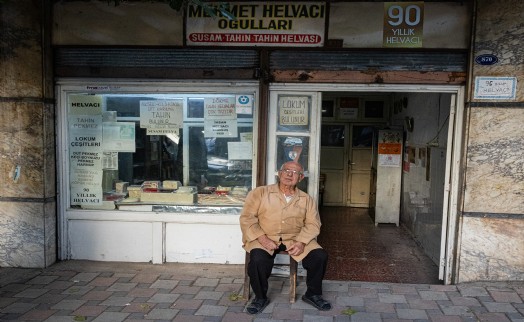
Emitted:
pixel 267 212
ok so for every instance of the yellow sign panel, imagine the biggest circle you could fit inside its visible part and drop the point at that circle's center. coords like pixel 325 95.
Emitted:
pixel 403 24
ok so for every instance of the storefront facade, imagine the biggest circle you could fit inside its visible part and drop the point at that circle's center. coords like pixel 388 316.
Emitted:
pixel 163 124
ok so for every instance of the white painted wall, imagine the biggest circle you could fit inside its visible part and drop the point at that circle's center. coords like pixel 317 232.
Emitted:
pixel 423 184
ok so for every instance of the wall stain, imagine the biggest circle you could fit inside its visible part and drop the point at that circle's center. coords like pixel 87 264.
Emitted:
pixel 12 38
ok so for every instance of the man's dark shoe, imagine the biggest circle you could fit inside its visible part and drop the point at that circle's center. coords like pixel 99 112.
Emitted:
pixel 257 305
pixel 317 301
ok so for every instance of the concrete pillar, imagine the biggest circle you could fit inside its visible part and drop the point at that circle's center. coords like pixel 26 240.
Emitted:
pixel 27 142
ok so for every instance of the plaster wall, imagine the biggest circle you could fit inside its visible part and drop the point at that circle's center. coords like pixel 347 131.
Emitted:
pixel 102 23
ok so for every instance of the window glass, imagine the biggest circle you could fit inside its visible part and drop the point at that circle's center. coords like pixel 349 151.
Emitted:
pixel 332 135
pixel 128 150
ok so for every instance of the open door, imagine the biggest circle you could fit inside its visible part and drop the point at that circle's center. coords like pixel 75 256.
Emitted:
pixel 360 164
pixel 452 186
pixel 294 131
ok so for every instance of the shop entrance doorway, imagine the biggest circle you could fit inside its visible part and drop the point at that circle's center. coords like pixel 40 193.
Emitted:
pixel 429 119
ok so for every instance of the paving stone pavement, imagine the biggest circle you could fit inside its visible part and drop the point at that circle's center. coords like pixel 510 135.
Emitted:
pixel 102 291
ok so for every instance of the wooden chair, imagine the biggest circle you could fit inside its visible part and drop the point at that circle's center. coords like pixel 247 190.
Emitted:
pixel 293 267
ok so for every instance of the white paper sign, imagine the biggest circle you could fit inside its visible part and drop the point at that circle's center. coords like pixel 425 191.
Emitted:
pixel 162 114
pixel 348 113
pixel 220 128
pixel 240 150
pixel 220 108
pixel 495 87
pixel 293 110
pixel 85 104
pixel 119 136
pixel 85 133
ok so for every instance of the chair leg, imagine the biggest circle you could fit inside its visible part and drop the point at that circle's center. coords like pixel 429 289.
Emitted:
pixel 293 267
pixel 247 287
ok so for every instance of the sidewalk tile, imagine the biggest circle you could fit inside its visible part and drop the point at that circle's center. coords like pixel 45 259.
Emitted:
pixel 68 304
pixel 84 277
pixel 96 295
pixel 472 291
pixel 103 281
pixel 422 304
pixel 445 318
pixel 111 317
pixel 18 307
pixel 204 281
pixel 211 310
pixel 164 298
pixel 182 303
pixel 188 318
pixel 161 314
pixel 42 279
pixel 281 313
pixel 184 289
pixel 32 293
pixel 493 317
pixel 349 301
pixel 507 297
pixel 412 314
pixel 208 295
pixel 77 290
pixel 236 317
pixel 141 292
pixel 37 315
pixel 466 301
pixel 89 310
pixel 118 301
pixel 499 307
pixel 366 317
pixel 164 284
pixel 391 298
pixel 121 287
pixel 433 295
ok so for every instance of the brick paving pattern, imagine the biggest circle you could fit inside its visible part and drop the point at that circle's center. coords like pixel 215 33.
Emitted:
pixel 95 291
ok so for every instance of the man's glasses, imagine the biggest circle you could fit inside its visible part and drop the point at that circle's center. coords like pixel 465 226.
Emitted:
pixel 292 172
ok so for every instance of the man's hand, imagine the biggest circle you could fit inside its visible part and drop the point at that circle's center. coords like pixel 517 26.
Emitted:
pixel 296 248
pixel 267 243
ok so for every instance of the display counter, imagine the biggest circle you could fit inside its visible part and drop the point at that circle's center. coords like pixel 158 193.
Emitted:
pixel 166 233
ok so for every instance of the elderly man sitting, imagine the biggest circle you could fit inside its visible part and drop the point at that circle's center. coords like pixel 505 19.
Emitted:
pixel 282 217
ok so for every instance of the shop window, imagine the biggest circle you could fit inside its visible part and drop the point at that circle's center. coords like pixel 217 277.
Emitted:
pixel 374 110
pixel 128 150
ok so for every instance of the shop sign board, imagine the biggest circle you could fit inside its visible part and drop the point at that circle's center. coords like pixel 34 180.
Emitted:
pixel 403 24
pixel 293 110
pixel 495 87
pixel 289 24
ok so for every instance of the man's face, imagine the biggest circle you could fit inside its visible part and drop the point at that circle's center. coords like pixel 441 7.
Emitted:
pixel 290 174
